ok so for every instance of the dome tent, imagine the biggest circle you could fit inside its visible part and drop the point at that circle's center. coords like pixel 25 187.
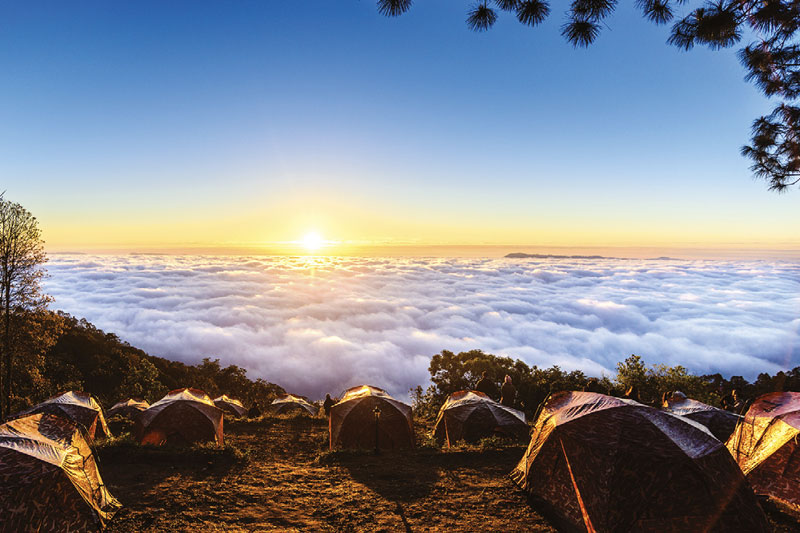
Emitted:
pixel 181 417
pixel 130 408
pixel 230 406
pixel 472 415
pixel 122 416
pixel 79 407
pixel 50 478
pixel 603 464
pixel 765 444
pixel 719 422
pixel 288 402
pixel 352 421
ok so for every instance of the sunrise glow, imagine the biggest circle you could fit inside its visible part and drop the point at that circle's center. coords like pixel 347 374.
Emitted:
pixel 312 241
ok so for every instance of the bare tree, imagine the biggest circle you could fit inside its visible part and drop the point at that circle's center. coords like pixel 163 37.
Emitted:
pixel 22 258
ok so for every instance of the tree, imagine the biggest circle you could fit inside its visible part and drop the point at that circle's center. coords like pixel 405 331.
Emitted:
pixel 772 60
pixel 632 372
pixel 141 380
pixel 22 258
pixel 33 334
pixel 654 381
pixel 452 372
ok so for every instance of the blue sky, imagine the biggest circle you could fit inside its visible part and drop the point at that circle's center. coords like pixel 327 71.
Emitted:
pixel 149 123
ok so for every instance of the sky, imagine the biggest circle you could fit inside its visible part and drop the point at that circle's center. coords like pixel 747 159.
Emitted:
pixel 248 125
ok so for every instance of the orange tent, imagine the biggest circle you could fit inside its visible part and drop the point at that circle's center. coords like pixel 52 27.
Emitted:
pixel 288 402
pixel 601 464
pixel 230 406
pixel 353 422
pixel 765 444
pixel 80 407
pixel 472 415
pixel 183 416
pixel 129 409
pixel 50 480
pixel 719 422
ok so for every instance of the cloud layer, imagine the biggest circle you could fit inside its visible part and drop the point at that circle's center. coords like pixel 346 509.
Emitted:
pixel 321 325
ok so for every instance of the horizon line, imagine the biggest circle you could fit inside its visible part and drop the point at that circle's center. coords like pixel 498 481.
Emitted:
pixel 698 251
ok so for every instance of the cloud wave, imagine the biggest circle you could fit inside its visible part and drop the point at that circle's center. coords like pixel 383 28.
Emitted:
pixel 321 325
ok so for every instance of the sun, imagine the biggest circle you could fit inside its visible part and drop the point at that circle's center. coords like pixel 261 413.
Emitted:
pixel 312 241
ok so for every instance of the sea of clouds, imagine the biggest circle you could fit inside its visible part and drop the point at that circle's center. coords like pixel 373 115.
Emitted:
pixel 317 325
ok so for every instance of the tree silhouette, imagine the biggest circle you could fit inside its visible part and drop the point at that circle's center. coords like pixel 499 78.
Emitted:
pixel 772 60
pixel 21 270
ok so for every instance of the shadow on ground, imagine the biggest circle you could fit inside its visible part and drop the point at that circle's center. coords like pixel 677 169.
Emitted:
pixel 397 476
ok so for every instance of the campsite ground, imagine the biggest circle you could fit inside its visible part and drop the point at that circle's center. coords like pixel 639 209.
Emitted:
pixel 276 475
pixel 287 481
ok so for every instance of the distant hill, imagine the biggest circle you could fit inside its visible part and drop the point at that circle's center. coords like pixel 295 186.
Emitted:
pixel 522 255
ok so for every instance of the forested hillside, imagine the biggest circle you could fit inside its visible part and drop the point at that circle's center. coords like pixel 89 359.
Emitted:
pixel 61 352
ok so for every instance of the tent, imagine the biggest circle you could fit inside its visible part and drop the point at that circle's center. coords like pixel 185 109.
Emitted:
pixel 181 417
pixel 288 402
pixel 600 464
pixel 50 480
pixel 80 407
pixel 719 422
pixel 353 422
pixel 131 408
pixel 230 406
pixel 472 415
pixel 765 444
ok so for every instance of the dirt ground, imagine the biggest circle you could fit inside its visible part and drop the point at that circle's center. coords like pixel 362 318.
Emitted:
pixel 289 482
pixel 276 475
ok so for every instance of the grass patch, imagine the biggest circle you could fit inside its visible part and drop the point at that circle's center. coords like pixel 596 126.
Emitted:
pixel 427 446
pixel 268 420
pixel 495 443
pixel 427 442
pixel 238 424
pixel 124 449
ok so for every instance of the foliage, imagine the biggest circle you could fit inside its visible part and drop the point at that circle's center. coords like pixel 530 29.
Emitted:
pixel 22 258
pixel 497 442
pixel 632 372
pixel 125 449
pixel 74 355
pixel 772 60
pixel 764 383
pixel 33 332
pixel 426 441
pixel 653 382
pixel 453 372
pixel 424 403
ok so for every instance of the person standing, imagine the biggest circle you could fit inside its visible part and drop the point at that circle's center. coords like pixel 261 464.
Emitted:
pixel 327 404
pixel 508 392
pixel 486 386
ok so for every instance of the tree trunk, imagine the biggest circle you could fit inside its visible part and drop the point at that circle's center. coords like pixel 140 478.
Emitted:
pixel 7 344
pixel 3 381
